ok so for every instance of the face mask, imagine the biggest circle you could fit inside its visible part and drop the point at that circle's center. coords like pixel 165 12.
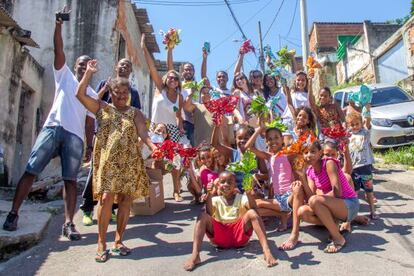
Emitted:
pixel 156 138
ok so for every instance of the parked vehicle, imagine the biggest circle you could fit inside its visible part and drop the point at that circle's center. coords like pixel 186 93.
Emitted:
pixel 392 113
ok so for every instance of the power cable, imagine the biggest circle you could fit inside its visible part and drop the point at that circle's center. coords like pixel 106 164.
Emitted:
pixel 235 19
pixel 293 18
pixel 274 19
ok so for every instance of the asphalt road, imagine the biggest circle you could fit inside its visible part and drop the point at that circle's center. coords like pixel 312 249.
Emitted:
pixel 163 242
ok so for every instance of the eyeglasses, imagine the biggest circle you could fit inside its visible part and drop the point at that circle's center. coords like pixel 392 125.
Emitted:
pixel 173 78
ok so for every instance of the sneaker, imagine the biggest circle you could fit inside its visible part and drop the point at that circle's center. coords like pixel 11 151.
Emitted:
pixel 87 219
pixel 69 231
pixel 11 222
pixel 113 216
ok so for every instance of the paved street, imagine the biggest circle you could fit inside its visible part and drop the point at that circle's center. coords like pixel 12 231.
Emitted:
pixel 162 243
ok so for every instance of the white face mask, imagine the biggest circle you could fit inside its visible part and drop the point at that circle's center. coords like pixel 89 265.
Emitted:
pixel 156 138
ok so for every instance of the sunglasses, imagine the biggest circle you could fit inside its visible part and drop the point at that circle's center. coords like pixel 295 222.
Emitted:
pixel 173 78
pixel 241 78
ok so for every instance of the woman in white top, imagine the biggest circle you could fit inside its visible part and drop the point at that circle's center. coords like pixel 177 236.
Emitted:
pixel 242 89
pixel 299 93
pixel 166 107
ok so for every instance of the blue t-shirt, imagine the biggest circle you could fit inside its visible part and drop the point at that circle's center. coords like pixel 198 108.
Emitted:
pixel 135 102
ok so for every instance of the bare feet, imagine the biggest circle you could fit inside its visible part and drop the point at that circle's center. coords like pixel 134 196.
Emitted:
pixel 192 262
pixel 282 227
pixel 290 243
pixel 270 260
pixel 361 220
pixel 346 226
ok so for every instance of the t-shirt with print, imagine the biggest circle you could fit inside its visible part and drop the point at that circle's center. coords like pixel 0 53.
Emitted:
pixel 67 111
pixel 228 214
pixel 360 148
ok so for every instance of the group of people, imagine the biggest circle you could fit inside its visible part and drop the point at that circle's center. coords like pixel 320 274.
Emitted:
pixel 317 184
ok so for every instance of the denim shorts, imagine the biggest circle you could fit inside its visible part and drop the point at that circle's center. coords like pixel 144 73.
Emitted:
pixel 53 142
pixel 352 205
pixel 283 200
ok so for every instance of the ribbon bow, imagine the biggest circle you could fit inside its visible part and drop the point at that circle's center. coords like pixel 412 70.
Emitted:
pixel 247 47
pixel 187 154
pixel 277 123
pixel 361 97
pixel 247 164
pixel 258 106
pixel 312 64
pixel 221 106
pixel 165 150
pixel 171 38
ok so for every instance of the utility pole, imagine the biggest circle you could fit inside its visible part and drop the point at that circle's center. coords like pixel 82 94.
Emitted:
pixel 304 32
pixel 261 55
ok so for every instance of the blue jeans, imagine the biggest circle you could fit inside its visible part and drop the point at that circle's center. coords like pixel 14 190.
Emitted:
pixel 189 131
pixel 52 142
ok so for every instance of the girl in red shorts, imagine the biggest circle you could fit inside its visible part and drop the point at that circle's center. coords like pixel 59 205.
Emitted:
pixel 229 221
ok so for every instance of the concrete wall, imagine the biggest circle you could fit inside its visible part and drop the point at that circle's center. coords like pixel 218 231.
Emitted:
pixel 19 74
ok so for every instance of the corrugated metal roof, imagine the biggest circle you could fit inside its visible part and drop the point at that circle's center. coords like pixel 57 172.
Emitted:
pixel 8 21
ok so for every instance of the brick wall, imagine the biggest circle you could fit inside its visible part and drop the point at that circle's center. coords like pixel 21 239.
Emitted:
pixel 324 35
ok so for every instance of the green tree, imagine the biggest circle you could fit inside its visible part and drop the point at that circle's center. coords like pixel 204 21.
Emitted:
pixel 412 8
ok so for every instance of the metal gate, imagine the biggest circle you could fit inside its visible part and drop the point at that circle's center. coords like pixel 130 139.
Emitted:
pixel 392 65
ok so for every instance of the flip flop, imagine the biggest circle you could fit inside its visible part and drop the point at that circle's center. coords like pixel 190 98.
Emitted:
pixel 338 247
pixel 121 251
pixel 102 257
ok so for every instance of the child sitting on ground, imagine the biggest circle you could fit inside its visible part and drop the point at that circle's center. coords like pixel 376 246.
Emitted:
pixel 362 156
pixel 280 172
pixel 229 222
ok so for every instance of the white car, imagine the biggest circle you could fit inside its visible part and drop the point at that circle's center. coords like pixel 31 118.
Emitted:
pixel 392 113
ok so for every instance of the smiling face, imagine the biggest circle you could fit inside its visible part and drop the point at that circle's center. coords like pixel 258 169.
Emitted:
pixel 242 136
pixel 222 79
pixel 123 68
pixel 120 95
pixel 227 184
pixel 240 82
pixel 256 78
pixel 300 82
pixel 206 158
pixel 329 151
pixel 188 72
pixel 354 123
pixel 325 97
pixel 80 66
pixel 274 141
pixel 302 119
pixel 220 158
pixel 269 81
pixel 172 81
pixel 313 154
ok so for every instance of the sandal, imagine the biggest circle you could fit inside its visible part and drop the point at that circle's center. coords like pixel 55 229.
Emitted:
pixel 102 257
pixel 333 247
pixel 121 251
pixel 178 197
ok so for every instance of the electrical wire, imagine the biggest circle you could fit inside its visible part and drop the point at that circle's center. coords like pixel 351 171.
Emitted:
pixel 192 3
pixel 293 18
pixel 274 19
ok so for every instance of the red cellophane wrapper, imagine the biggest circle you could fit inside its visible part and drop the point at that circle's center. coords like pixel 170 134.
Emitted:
pixel 187 154
pixel 338 133
pixel 165 150
pixel 246 47
pixel 221 106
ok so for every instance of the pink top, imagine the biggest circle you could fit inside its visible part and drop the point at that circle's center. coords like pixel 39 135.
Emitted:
pixel 206 176
pixel 323 183
pixel 281 174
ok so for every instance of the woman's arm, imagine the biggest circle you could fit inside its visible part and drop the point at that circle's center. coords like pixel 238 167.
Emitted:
pixel 142 130
pixel 204 65
pixel 90 103
pixel 170 61
pixel 151 65
pixel 251 202
pixel 215 142
pixel 250 145
pixel 332 171
pixel 292 109
pixel 189 106
pixel 311 98
pixel 239 64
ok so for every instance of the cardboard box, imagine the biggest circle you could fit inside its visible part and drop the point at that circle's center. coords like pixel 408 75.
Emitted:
pixel 155 201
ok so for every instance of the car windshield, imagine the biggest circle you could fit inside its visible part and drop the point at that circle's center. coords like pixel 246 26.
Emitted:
pixel 389 95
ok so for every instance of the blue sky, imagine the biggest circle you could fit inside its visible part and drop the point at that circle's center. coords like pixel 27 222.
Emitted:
pixel 215 24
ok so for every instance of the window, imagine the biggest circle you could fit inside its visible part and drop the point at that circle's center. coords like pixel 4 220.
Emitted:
pixel 389 95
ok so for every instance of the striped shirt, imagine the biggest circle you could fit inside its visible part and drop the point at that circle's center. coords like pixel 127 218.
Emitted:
pixel 323 183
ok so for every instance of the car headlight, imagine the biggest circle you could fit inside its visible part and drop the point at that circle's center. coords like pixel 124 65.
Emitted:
pixel 382 122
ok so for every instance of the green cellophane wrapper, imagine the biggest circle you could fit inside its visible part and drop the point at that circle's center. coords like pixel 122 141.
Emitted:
pixel 247 164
